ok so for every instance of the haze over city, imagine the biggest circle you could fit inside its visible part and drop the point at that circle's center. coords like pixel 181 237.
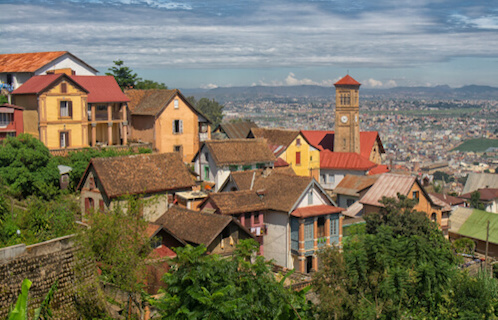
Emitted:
pixel 208 44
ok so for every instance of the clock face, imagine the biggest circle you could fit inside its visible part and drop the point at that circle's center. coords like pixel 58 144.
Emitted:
pixel 344 119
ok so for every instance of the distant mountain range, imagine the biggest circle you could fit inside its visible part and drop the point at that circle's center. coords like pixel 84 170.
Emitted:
pixel 471 92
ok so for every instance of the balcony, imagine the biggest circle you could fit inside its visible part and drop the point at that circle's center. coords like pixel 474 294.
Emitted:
pixel 203 136
pixel 260 231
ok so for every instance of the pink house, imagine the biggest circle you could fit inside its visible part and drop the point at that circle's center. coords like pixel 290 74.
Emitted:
pixel 11 121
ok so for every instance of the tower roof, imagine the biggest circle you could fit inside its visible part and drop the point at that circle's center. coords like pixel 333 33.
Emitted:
pixel 347 81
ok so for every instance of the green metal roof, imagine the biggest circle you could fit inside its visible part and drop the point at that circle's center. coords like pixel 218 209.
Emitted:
pixel 475 226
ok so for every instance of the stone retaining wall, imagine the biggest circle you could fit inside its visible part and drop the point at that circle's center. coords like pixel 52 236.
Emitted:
pixel 43 264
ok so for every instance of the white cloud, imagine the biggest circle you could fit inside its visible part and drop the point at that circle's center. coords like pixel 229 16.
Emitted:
pixel 209 86
pixel 377 84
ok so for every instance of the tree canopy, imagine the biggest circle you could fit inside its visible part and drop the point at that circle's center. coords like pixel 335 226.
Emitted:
pixel 210 108
pixel 402 267
pixel 127 79
pixel 204 286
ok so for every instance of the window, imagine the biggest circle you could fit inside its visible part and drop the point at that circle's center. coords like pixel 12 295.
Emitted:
pixel 9 79
pixel 66 109
pixel 89 205
pixel 206 173
pixel 298 157
pixel 11 134
pixel 101 107
pixel 334 226
pixel 434 217
pixel 204 127
pixel 310 197
pixel 233 167
pixel 101 205
pixel 416 195
pixel 256 217
pixel 177 126
pixel 298 142
pixel 5 119
pixel 247 167
pixel 321 227
pixel 176 104
pixel 323 178
pixel 63 87
pixel 247 220
pixel 260 165
pixel 349 202
pixel 64 139
pixel 178 149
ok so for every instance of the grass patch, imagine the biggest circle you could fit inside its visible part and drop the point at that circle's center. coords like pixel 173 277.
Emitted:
pixel 477 145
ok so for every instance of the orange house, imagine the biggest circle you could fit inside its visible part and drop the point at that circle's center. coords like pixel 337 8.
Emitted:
pixel 168 121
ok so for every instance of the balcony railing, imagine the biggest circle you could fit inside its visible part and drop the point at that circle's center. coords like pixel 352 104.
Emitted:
pixel 260 231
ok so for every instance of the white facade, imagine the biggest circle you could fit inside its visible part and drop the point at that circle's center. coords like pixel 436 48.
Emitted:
pixel 66 61
pixel 278 238
pixel 330 178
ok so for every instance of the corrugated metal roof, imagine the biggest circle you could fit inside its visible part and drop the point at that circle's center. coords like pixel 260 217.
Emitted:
pixel 388 185
pixel 475 224
pixel 27 62
pixel 344 160
pixel 352 184
pixel 480 180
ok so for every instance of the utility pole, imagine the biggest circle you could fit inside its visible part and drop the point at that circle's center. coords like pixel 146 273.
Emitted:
pixel 487 242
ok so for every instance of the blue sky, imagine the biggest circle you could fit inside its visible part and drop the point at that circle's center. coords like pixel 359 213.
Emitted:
pixel 190 44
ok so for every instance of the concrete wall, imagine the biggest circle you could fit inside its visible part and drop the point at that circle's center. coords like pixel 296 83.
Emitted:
pixel 43 264
pixel 276 242
pixel 142 128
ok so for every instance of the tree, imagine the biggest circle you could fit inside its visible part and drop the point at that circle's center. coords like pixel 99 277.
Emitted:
pixel 124 76
pixel 210 287
pixel 126 79
pixel 475 202
pixel 210 108
pixel 27 167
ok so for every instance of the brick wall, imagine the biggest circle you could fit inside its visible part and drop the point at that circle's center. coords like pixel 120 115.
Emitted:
pixel 43 264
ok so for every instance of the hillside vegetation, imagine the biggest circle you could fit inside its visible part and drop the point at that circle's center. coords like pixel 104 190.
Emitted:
pixel 477 145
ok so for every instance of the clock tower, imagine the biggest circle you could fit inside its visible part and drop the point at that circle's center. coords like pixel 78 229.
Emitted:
pixel 347 113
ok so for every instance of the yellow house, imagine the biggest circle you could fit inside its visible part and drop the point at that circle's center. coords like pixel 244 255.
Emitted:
pixel 68 111
pixel 168 121
pixel 292 147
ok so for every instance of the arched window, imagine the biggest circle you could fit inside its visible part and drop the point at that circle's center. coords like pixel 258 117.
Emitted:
pixel 434 217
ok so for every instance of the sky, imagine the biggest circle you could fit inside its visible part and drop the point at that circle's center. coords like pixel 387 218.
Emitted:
pixel 223 43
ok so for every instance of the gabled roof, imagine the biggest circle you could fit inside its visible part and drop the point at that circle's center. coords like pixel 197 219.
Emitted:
pixel 278 139
pixel 480 180
pixel 352 184
pixel 486 194
pixel 10 106
pixel 344 161
pixel 236 130
pixel 239 151
pixel 152 102
pixel 138 174
pixel 100 89
pixel 378 169
pixel 389 185
pixel 236 202
pixel 444 206
pixel 196 227
pixel 30 62
pixel 347 81
pixel 324 140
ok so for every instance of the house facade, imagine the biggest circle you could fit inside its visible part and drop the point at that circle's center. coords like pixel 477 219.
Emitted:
pixel 168 121
pixel 291 216
pixel 292 147
pixel 154 178
pixel 11 120
pixel 17 68
pixel 217 158
pixel 67 111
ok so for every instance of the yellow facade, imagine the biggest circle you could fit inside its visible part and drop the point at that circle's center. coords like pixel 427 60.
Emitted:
pixel 308 156
pixel 168 139
pixel 423 205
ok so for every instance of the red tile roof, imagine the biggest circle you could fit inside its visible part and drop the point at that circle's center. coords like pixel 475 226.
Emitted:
pixel 37 84
pixel 161 252
pixel 280 163
pixel 486 194
pixel 344 160
pixel 27 62
pixel 101 89
pixel 453 201
pixel 324 140
pixel 347 81
pixel 314 211
pixel 381 168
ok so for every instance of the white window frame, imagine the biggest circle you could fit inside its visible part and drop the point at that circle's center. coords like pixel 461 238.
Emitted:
pixel 180 126
pixel 176 103
pixel 5 119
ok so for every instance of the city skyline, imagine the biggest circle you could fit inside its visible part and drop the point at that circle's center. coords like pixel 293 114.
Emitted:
pixel 206 44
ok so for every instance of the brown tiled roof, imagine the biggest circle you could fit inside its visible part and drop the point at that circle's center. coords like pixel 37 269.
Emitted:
pixel 486 194
pixel 276 137
pixel 444 206
pixel 235 202
pixel 452 201
pixel 145 173
pixel 237 130
pixel 193 226
pixel 352 184
pixel 314 211
pixel 388 185
pixel 239 151
pixel 149 102
pixel 30 62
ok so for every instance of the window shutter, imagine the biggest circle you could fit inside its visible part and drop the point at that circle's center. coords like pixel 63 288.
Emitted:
pixel 70 109
pixel 63 87
pixel 173 125
pixel 181 126
pixel 101 205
